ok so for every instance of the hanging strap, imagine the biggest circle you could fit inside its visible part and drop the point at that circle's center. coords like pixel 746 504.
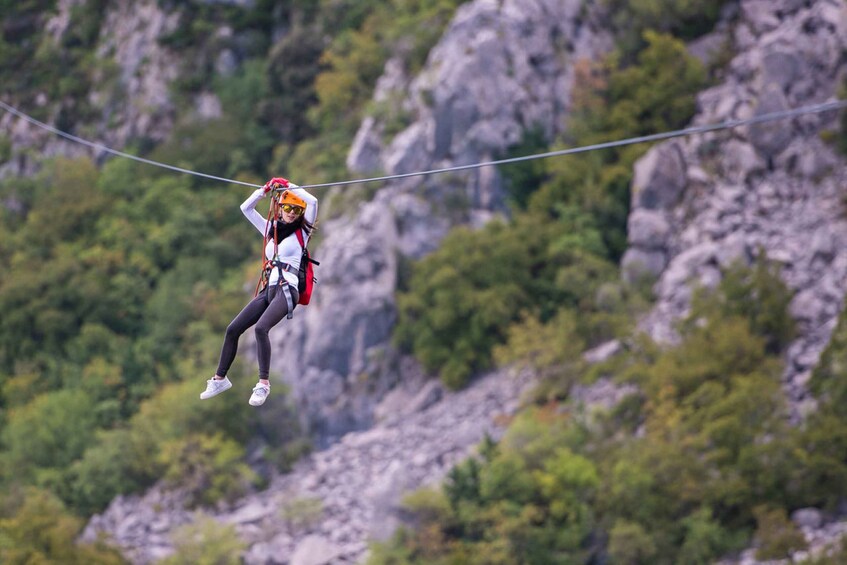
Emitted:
pixel 264 277
pixel 299 235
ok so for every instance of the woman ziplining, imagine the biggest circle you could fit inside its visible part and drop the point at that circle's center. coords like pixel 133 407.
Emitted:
pixel 291 219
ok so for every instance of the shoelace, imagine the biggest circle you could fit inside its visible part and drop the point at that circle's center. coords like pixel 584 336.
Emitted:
pixel 261 391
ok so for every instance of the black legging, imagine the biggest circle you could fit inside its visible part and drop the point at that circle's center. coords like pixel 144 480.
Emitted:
pixel 266 311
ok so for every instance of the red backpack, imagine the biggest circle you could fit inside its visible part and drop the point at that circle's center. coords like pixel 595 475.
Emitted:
pixel 306 275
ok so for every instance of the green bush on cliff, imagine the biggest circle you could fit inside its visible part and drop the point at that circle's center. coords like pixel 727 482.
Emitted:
pixel 682 18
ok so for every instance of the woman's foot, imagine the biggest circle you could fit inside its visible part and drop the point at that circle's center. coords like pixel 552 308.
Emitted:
pixel 260 393
pixel 214 387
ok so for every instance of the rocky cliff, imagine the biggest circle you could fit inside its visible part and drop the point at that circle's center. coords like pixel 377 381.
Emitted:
pixel 134 104
pixel 501 68
pixel 702 202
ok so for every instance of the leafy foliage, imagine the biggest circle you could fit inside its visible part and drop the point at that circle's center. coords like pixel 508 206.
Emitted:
pixel 619 101
pixel 524 177
pixel 365 34
pixel 206 542
pixel 776 534
pixel 757 295
pixel 708 463
pixel 464 297
pixel 824 471
pixel 121 280
pixel 686 19
pixel 36 528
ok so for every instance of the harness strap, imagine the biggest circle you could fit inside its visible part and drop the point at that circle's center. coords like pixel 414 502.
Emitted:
pixel 288 300
pixel 276 264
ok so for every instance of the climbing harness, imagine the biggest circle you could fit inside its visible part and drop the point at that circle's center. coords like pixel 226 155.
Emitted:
pixel 268 265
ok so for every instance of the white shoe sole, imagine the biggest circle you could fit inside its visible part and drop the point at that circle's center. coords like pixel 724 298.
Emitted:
pixel 207 395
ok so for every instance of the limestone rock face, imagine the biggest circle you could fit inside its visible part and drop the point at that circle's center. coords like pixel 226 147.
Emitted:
pixel 135 104
pixel 702 202
pixel 501 68
pixel 774 188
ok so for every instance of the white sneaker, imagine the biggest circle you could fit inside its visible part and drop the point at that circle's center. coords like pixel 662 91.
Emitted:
pixel 260 393
pixel 214 387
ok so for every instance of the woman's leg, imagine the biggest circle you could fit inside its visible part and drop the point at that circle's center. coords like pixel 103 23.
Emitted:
pixel 248 316
pixel 275 312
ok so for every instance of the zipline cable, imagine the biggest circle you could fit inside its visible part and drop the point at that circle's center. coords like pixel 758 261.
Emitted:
pixel 773 116
pixel 769 117
pixel 100 147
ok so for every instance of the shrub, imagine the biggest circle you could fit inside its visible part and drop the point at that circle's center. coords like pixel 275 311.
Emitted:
pixel 208 468
pixel 776 535
pixel 756 294
pixel 630 544
pixel 35 527
pixel 682 18
pixel 711 445
pixel 542 346
pixel 617 100
pixel 206 542
pixel 301 514
pixel 50 432
pixel 463 297
pixel 706 539
pixel 822 439
pixel 161 439
pixel 427 505
pixel 523 178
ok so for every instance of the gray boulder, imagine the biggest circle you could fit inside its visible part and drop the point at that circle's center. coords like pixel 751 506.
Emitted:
pixel 659 178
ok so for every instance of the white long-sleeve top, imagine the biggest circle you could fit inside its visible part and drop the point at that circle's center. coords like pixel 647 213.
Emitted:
pixel 288 250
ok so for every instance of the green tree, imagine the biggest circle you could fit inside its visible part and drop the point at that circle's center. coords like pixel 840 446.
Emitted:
pixel 629 544
pixel 47 434
pixel 35 527
pixel 777 536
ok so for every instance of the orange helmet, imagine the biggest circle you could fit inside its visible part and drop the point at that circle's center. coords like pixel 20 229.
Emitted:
pixel 289 197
